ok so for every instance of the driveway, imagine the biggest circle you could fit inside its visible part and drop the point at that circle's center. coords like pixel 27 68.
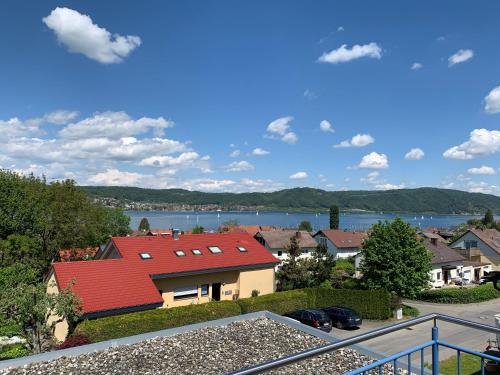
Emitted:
pixel 452 333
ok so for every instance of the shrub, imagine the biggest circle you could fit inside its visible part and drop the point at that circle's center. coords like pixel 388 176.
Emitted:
pixel 410 311
pixel 14 351
pixel 10 330
pixel 154 320
pixel 346 265
pixel 255 293
pixel 460 295
pixel 370 304
pixel 279 302
pixel 75 340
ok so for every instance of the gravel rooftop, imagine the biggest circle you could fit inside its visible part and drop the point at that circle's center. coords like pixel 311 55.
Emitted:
pixel 212 350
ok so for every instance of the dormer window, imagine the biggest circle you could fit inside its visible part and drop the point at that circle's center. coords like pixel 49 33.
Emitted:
pixel 196 251
pixel 180 253
pixel 242 249
pixel 145 256
pixel 215 249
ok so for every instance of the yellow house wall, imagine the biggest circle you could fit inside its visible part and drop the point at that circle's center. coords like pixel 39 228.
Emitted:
pixel 261 280
pixel 61 329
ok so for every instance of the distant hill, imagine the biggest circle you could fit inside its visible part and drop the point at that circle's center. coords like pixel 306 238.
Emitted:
pixel 425 200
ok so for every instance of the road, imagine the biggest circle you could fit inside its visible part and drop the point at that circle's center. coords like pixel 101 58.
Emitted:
pixel 452 333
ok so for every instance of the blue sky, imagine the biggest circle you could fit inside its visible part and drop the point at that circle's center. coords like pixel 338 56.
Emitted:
pixel 229 96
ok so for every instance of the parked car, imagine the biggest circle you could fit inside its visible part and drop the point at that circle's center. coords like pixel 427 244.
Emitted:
pixel 342 317
pixel 312 317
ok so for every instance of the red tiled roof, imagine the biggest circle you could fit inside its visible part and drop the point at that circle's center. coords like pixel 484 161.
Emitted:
pixel 125 282
pixel 343 239
pixel 250 229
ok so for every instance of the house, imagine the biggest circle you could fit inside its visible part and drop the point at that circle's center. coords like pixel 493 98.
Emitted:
pixel 250 229
pixel 340 243
pixel 140 273
pixel 71 255
pixel 277 241
pixel 480 246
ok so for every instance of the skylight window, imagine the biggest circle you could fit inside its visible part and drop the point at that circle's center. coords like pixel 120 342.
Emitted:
pixel 145 256
pixel 242 249
pixel 215 249
pixel 196 251
pixel 180 253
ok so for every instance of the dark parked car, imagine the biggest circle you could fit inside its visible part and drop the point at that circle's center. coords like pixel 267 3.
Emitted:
pixel 343 317
pixel 312 317
pixel 493 276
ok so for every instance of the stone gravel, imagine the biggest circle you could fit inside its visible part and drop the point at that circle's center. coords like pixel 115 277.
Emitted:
pixel 212 350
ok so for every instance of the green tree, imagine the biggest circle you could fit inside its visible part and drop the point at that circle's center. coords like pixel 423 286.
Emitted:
pixel 320 265
pixel 198 230
pixel 115 223
pixel 144 225
pixel 395 259
pixel 293 274
pixel 489 220
pixel 334 217
pixel 305 225
pixel 29 305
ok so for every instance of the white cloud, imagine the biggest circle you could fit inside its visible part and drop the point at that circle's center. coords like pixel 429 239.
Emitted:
pixel 185 159
pixel 359 140
pixel 60 117
pixel 344 54
pixel 389 186
pixel 259 152
pixel 114 177
pixel 80 35
pixel 371 178
pixel 340 28
pixel 482 170
pixel 482 142
pixel 415 154
pixel 326 127
pixel 374 160
pixel 208 185
pixel 310 95
pixel 416 66
pixel 460 56
pixel 483 187
pixel 239 166
pixel 492 101
pixel 235 154
pixel 322 177
pixel 114 125
pixel 280 129
pixel 298 176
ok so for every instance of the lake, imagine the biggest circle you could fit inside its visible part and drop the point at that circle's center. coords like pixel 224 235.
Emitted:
pixel 349 221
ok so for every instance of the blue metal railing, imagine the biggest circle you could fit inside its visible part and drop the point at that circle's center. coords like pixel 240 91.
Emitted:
pixel 434 344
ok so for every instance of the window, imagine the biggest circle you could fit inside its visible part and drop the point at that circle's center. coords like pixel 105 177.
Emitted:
pixel 280 253
pixel 180 253
pixel 306 251
pixel 204 290
pixel 145 256
pixel 196 251
pixel 470 244
pixel 185 292
pixel 215 249
pixel 438 276
pixel 242 249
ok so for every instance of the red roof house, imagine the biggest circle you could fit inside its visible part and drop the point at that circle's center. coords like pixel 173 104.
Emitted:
pixel 341 243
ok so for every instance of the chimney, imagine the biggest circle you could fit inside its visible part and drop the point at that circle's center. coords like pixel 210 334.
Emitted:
pixel 434 241
pixel 175 234
pixel 298 234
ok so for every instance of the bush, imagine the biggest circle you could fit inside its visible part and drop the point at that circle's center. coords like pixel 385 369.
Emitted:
pixel 369 304
pixel 75 340
pixel 410 311
pixel 460 295
pixel 255 293
pixel 14 351
pixel 154 320
pixel 346 265
pixel 279 302
pixel 10 330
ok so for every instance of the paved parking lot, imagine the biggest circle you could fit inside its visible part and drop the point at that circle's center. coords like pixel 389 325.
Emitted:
pixel 463 336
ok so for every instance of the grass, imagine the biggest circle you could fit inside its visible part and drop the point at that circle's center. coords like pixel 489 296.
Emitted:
pixel 469 365
pixel 411 312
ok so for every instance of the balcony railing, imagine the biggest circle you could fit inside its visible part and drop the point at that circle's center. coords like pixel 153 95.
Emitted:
pixel 402 358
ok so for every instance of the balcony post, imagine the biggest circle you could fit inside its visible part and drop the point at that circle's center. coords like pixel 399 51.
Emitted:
pixel 435 351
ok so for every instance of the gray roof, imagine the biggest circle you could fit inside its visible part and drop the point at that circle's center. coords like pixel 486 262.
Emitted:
pixel 442 253
pixel 279 239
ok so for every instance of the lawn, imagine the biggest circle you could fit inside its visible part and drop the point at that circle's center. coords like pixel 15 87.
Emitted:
pixel 469 365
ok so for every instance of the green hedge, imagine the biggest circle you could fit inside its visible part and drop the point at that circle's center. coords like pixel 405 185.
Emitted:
pixel 460 295
pixel 279 302
pixel 369 304
pixel 154 320
pixel 14 351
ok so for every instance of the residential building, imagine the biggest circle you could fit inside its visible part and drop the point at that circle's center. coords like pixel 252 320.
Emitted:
pixel 341 243
pixel 139 273
pixel 480 246
pixel 277 241
pixel 250 229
